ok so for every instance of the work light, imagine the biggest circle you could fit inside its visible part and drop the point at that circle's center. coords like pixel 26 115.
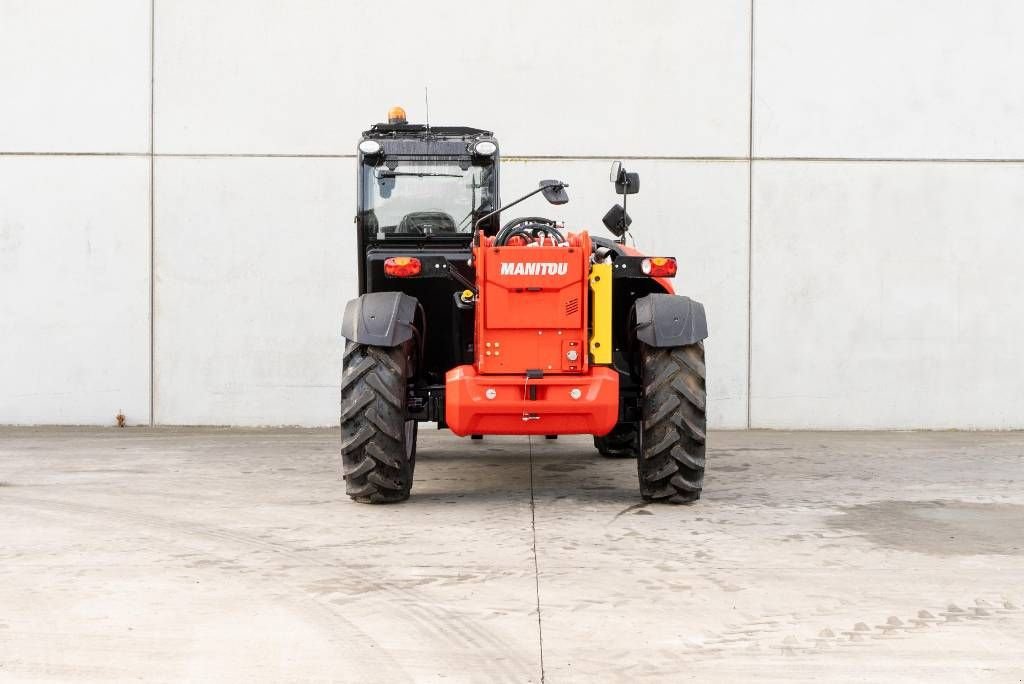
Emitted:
pixel 485 148
pixel 369 147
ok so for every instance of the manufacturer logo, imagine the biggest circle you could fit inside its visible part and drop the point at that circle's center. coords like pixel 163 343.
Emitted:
pixel 534 268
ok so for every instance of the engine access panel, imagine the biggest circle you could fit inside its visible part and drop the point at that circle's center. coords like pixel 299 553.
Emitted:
pixel 532 306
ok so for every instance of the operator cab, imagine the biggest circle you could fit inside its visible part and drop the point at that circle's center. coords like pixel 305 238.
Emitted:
pixel 425 184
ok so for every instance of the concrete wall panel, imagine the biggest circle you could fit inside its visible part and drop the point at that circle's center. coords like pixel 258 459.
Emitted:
pixel 75 76
pixel 881 79
pixel 254 258
pixel 695 211
pixel 887 295
pixel 551 78
pixel 74 290
pixel 883 293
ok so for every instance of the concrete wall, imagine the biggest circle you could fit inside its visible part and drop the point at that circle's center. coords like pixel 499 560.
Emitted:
pixel 842 180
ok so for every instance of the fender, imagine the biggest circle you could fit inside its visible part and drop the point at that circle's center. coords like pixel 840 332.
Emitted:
pixel 667 320
pixel 380 319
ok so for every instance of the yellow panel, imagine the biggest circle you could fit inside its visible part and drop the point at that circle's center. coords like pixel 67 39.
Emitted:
pixel 601 314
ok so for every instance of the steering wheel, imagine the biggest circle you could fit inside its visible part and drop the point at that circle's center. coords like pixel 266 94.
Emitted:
pixel 529 227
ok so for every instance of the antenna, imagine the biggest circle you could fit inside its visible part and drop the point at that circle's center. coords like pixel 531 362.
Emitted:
pixel 426 101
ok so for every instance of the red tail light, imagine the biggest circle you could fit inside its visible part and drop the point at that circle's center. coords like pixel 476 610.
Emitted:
pixel 659 267
pixel 402 267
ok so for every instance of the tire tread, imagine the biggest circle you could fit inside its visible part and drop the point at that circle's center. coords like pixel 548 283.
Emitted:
pixel 375 462
pixel 621 442
pixel 674 426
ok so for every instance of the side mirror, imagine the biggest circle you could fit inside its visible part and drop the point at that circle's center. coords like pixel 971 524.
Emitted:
pixel 554 191
pixel 626 183
pixel 617 220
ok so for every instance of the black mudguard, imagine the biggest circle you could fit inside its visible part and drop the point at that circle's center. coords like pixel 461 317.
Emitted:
pixel 664 320
pixel 381 319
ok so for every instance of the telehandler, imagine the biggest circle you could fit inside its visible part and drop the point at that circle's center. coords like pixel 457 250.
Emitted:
pixel 514 328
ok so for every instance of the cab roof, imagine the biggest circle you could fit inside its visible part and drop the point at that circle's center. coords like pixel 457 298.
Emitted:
pixel 382 130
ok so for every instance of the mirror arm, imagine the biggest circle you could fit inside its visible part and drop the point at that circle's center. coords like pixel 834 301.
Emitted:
pixel 625 229
pixel 476 225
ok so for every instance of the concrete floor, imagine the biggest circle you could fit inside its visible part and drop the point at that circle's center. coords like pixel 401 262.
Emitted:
pixel 175 554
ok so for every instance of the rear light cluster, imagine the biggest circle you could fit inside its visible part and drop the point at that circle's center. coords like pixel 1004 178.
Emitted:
pixel 659 267
pixel 402 267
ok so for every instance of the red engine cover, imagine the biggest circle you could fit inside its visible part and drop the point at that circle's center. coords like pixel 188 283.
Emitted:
pixel 532 308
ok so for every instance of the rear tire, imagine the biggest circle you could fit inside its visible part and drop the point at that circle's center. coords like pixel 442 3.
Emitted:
pixel 621 442
pixel 671 463
pixel 378 445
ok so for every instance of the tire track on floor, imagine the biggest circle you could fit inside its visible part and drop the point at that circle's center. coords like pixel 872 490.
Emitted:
pixel 308 605
pixel 435 621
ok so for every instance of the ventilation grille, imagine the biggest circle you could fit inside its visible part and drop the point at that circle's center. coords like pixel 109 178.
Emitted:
pixel 572 306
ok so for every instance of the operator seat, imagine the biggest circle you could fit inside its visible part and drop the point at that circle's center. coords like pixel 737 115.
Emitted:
pixel 426 223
